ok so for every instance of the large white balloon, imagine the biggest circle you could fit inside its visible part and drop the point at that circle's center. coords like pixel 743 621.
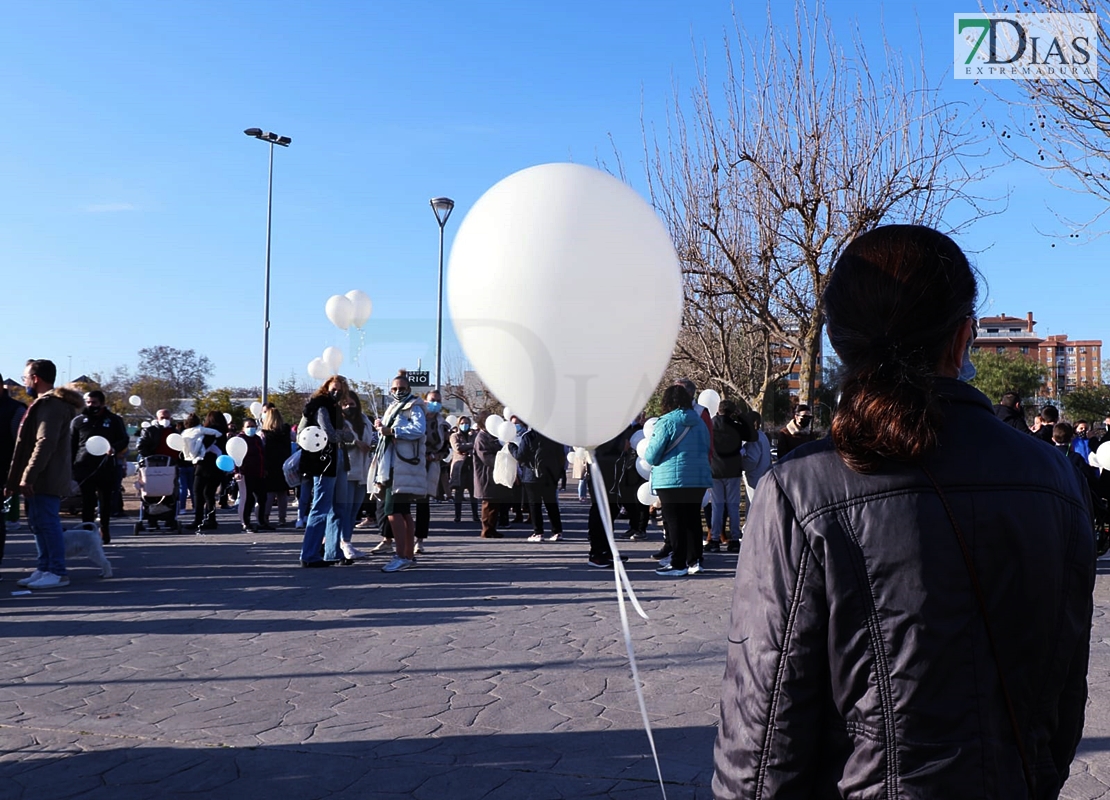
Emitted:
pixel 644 495
pixel 711 400
pixel 649 426
pixel 340 310
pixel 313 438
pixel 135 400
pixel 97 446
pixel 507 432
pixel 562 239
pixel 256 410
pixel 1104 455
pixel 361 305
pixel 175 441
pixel 644 468
pixel 641 447
pixel 333 357
pixel 237 449
pixel 493 424
pixel 452 420
pixel 318 370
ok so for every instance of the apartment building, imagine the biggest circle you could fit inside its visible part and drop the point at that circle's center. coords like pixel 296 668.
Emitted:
pixel 1070 363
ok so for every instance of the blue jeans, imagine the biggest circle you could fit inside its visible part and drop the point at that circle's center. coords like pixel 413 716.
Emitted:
pixel 186 474
pixel 323 494
pixel 333 530
pixel 726 499
pixel 44 516
pixel 348 509
pixel 304 500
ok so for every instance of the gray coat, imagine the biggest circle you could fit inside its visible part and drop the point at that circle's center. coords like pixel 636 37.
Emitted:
pixel 858 661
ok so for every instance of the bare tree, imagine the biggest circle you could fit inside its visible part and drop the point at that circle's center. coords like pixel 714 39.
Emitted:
pixel 803 148
pixel 1066 121
pixel 183 370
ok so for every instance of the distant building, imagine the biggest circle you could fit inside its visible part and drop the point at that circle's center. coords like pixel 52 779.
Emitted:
pixel 1070 364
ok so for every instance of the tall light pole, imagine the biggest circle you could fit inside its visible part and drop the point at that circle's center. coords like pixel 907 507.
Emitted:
pixel 272 139
pixel 442 207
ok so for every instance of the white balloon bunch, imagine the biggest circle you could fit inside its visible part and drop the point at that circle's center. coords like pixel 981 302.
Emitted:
pixel 349 310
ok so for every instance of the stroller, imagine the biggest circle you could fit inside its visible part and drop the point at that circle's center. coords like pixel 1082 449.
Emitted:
pixel 157 484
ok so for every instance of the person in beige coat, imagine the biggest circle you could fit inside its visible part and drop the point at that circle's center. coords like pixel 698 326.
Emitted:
pixel 41 468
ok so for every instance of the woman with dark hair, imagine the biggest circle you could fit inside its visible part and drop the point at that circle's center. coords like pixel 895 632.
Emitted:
pixel 678 452
pixel 208 477
pixel 912 606
pixel 359 452
pixel 278 446
pixel 462 468
pixel 328 469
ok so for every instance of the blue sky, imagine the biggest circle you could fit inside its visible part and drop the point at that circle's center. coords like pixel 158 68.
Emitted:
pixel 132 207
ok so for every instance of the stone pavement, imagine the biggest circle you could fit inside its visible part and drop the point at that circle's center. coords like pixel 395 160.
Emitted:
pixel 216 667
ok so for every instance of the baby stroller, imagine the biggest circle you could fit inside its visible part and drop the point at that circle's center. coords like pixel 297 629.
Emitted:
pixel 157 485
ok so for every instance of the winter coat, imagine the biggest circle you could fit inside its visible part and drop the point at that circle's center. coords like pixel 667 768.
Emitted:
pixel 11 414
pixel 462 458
pixel 756 460
pixel 42 458
pixel 254 462
pixel 725 460
pixel 1013 417
pixel 360 461
pixel 858 661
pixel 399 459
pixel 107 425
pixel 679 461
pixel 436 447
pixel 323 412
pixel 278 446
pixel 486 448
pixel 541 459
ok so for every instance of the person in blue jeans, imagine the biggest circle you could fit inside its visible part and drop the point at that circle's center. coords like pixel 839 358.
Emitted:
pixel 41 469
pixel 328 470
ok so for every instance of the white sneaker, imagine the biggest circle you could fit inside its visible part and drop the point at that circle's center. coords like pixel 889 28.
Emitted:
pixel 350 551
pixel 49 581
pixel 34 576
pixel 535 537
pixel 398 564
pixel 384 546
pixel 419 548
pixel 693 569
pixel 665 562
pixel 554 537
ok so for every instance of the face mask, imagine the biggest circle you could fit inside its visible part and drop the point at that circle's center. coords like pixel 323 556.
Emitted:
pixel 520 427
pixel 967 369
pixel 803 422
pixel 464 427
pixel 165 423
pixel 334 394
pixel 250 431
pixel 349 411
pixel 93 411
pixel 433 406
pixel 399 394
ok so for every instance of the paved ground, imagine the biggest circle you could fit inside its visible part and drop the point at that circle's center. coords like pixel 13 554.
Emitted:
pixel 215 667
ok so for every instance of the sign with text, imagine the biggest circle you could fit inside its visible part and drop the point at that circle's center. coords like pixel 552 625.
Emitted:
pixel 418 378
pixel 1027 47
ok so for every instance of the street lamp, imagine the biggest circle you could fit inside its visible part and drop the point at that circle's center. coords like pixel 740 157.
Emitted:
pixel 272 139
pixel 442 207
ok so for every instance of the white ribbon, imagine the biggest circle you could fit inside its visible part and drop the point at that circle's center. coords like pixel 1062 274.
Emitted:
pixel 620 576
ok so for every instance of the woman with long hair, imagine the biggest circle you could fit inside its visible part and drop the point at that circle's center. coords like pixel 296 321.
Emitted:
pixel 359 452
pixel 278 446
pixel 328 470
pixel 912 604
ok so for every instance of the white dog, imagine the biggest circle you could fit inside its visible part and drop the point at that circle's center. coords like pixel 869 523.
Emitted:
pixel 84 540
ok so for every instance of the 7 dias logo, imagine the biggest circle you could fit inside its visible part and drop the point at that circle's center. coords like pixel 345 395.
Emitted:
pixel 1027 47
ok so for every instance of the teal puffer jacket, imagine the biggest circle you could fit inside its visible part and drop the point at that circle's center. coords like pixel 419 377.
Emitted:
pixel 685 465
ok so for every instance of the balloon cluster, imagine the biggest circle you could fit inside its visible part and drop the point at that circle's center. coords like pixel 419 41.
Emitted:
pixel 328 364
pixel 639 443
pixel 1101 457
pixel 344 311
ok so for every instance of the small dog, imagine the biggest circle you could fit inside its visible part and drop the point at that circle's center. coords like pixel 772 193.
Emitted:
pixel 84 540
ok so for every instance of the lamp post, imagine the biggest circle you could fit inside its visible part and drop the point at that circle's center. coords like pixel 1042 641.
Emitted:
pixel 442 207
pixel 272 139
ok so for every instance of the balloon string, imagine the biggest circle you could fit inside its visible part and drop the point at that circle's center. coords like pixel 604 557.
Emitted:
pixel 621 579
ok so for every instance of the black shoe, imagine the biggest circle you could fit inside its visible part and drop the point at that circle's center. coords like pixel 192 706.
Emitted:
pixel 265 526
pixel 105 538
pixel 311 564
pixel 663 552
pixel 210 525
pixel 249 529
pixel 734 546
pixel 713 547
pixel 459 519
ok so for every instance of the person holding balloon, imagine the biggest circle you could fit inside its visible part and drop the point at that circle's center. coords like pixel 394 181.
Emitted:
pixel 248 451
pixel 97 475
pixel 398 471
pixel 359 452
pixel 492 494
pixel 678 452
pixel 209 477
pixel 327 467
pixel 436 447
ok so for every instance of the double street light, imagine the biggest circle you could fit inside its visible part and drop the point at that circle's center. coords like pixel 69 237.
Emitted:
pixel 283 141
pixel 442 207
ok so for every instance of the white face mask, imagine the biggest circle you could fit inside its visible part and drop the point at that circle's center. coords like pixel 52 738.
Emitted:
pixel 165 423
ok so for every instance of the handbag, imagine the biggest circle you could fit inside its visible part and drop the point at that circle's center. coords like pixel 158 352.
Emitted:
pixel 291 469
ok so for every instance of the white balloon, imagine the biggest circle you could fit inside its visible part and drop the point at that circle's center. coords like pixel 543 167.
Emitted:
pixel 340 310
pixel 556 239
pixel 256 410
pixel 1104 455
pixel 175 441
pixel 227 418
pixel 643 468
pixel 493 424
pixel 97 446
pixel 644 495
pixel 333 358
pixel 237 449
pixel 711 400
pixel 363 307
pixel 135 400
pixel 635 438
pixel 318 370
pixel 1092 459
pixel 146 424
pixel 507 413
pixel 313 438
pixel 452 420
pixel 649 426
pixel 572 456
pixel 641 447
pixel 507 432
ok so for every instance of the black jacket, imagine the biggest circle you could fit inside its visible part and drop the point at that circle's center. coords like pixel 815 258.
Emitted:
pixel 858 661
pixel 728 437
pixel 84 427
pixel 1012 417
